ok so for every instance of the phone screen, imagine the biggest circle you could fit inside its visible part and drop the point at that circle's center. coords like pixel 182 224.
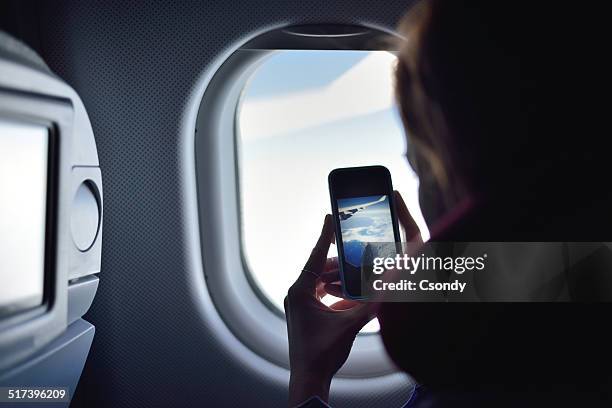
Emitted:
pixel 362 201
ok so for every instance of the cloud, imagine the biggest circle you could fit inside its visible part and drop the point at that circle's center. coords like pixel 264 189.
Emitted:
pixel 377 229
pixel 365 88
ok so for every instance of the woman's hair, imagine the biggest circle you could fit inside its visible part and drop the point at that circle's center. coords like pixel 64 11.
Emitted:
pixel 419 111
pixel 469 91
pixel 489 94
pixel 484 93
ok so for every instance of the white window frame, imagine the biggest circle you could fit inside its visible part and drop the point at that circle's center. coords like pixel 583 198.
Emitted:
pixel 241 306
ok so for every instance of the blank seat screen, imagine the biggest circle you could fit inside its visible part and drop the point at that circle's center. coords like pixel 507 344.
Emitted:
pixel 24 157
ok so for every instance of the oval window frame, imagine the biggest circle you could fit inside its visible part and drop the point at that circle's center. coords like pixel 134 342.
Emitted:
pixel 246 311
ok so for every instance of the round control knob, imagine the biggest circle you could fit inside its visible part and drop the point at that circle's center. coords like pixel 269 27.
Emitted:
pixel 85 217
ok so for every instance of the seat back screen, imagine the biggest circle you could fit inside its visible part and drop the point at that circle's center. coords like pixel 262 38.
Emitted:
pixel 24 162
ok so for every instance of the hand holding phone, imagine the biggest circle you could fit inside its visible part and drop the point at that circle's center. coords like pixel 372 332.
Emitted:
pixel 363 208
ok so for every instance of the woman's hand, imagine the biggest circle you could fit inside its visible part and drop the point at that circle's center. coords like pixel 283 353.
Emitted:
pixel 320 336
pixel 411 229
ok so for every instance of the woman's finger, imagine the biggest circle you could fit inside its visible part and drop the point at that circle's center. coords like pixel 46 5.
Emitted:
pixel 331 276
pixel 403 214
pixel 334 290
pixel 320 290
pixel 344 304
pixel 362 313
pixel 307 280
pixel 331 264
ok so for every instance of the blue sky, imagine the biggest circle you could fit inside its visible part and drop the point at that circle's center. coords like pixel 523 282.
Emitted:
pixel 292 71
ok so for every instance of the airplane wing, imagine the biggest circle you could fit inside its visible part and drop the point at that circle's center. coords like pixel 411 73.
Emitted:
pixel 347 212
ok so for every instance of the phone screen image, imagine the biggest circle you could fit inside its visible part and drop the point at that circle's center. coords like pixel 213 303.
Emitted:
pixel 363 220
pixel 362 203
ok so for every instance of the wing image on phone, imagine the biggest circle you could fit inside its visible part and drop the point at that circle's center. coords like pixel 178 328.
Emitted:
pixel 363 210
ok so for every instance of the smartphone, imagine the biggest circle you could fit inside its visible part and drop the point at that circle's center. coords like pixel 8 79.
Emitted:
pixel 364 212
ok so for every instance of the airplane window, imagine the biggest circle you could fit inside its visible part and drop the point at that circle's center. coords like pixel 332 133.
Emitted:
pixel 302 114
